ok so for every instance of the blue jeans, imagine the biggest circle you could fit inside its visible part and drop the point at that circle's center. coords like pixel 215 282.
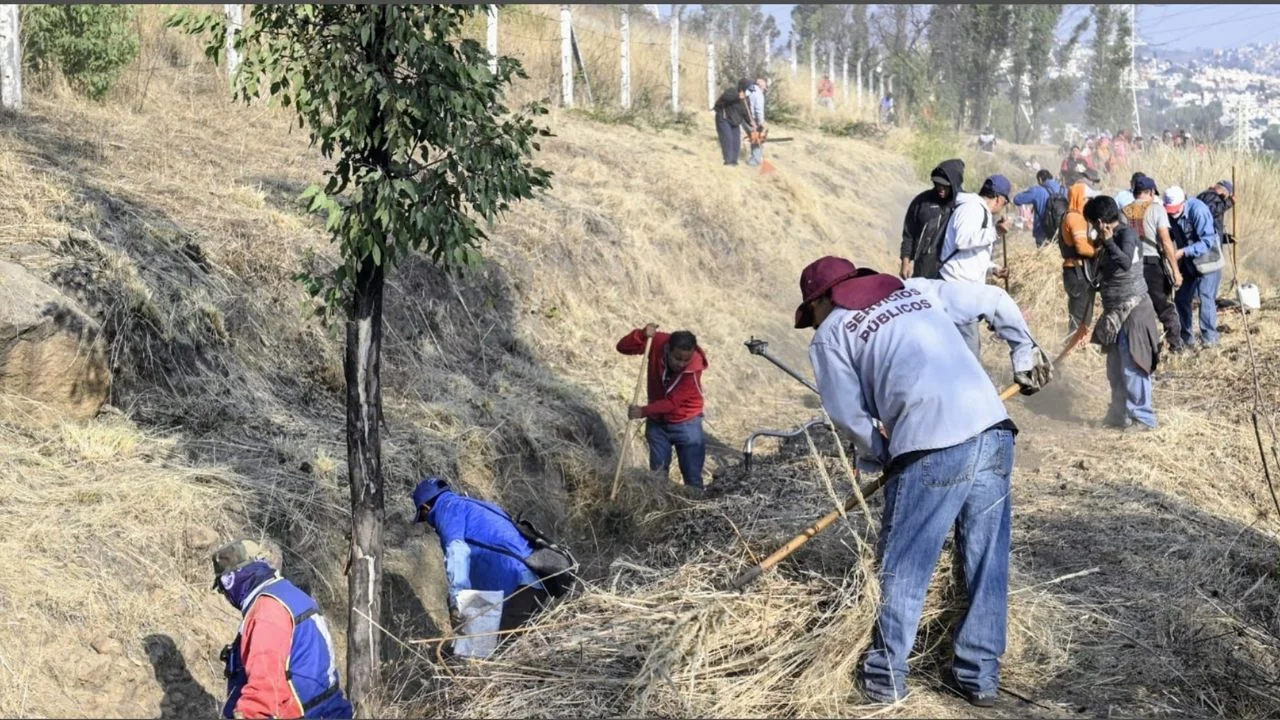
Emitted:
pixel 1204 287
pixel 757 155
pixel 965 486
pixel 1130 387
pixel 690 446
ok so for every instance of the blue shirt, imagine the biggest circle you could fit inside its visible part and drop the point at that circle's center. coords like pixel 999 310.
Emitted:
pixel 483 550
pixel 1038 197
pixel 1195 232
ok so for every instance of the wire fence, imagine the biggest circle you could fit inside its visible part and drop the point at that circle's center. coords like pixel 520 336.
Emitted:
pixel 603 61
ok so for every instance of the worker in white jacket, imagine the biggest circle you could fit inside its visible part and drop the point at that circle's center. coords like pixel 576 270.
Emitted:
pixel 971 236
pixel 888 351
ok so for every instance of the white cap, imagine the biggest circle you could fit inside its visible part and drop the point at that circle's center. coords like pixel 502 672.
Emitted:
pixel 1174 197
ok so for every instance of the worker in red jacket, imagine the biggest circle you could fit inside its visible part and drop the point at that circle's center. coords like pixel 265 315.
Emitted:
pixel 673 417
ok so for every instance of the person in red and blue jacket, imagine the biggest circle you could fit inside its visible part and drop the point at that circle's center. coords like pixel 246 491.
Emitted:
pixel 483 550
pixel 282 663
pixel 674 413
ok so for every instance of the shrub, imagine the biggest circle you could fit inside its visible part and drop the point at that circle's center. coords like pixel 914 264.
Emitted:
pixel 89 44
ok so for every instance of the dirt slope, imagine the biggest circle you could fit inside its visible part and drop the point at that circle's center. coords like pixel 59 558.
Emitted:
pixel 169 214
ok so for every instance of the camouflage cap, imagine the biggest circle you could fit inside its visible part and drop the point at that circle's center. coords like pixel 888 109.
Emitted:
pixel 233 556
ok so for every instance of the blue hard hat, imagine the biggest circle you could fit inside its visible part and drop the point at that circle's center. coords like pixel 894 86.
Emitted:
pixel 428 490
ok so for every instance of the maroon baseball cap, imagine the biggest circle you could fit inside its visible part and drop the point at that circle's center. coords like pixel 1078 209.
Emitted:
pixel 851 287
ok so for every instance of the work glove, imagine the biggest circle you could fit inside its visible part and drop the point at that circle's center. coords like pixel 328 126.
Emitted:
pixel 1032 381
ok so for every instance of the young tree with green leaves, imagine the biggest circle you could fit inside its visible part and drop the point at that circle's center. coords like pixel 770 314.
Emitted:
pixel 89 44
pixel 424 149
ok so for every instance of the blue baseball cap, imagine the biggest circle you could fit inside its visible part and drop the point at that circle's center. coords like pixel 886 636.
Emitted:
pixel 1000 185
pixel 1231 188
pixel 1144 182
pixel 426 491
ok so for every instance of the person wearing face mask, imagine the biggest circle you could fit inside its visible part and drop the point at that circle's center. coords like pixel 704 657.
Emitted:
pixel 1127 330
pixel 1078 254
pixel 282 663
pixel 674 413
pixel 1200 260
pixel 925 223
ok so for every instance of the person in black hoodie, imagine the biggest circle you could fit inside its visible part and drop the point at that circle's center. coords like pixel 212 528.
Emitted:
pixel 926 222
pixel 731 115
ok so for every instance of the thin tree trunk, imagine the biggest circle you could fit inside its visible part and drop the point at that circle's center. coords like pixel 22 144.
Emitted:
pixel 362 365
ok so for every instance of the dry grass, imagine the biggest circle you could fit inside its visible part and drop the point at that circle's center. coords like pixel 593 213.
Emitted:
pixel 170 213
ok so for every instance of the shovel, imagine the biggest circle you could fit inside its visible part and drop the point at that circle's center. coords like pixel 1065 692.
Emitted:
pixel 626 428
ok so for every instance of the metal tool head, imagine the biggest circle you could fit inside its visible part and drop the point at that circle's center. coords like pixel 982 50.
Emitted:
pixel 757 347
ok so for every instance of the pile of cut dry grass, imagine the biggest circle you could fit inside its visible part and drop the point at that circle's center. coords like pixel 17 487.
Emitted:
pixel 655 641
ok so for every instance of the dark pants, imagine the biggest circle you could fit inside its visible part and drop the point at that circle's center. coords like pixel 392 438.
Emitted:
pixel 1160 288
pixel 730 139
pixel 1080 296
pixel 522 605
pixel 690 447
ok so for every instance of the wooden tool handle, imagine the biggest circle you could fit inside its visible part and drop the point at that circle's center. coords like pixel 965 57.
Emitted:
pixel 625 441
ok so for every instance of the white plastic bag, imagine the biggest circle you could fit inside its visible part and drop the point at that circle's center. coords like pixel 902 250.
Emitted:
pixel 481 611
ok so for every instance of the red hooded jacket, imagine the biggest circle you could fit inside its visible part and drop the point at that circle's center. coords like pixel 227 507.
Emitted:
pixel 680 397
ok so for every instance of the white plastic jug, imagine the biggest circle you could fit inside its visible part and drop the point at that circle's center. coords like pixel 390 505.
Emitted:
pixel 1250 297
pixel 482 610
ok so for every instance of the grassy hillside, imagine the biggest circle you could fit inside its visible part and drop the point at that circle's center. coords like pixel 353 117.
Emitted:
pixel 170 214
pixel 1144 566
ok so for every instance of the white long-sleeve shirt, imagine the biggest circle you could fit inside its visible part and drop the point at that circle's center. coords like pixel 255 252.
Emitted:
pixel 755 100
pixel 904 363
pixel 971 234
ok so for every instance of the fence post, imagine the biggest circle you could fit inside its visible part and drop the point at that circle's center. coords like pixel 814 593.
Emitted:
pixel 235 21
pixel 711 73
pixel 844 77
pixel 492 39
pixel 813 74
pixel 859 83
pixel 566 57
pixel 10 58
pixel 831 64
pixel 626 60
pixel 675 59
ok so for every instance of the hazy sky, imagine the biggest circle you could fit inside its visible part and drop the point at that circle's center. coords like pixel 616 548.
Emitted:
pixel 1173 26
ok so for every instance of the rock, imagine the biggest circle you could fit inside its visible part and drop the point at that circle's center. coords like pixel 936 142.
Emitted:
pixel 51 352
pixel 104 645
pixel 198 537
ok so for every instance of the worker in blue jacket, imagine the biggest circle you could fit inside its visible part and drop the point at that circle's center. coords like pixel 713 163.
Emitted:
pixel 483 550
pixel 1200 260
pixel 1038 197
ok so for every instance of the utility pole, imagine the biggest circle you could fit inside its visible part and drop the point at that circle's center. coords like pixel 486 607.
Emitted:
pixel 1133 66
pixel 1241 122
